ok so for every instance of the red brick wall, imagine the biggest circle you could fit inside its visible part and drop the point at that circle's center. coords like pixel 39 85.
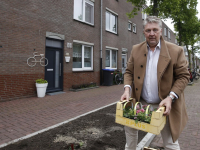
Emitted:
pixel 23 27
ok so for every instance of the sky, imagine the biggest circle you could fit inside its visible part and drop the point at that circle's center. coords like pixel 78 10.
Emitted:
pixel 168 22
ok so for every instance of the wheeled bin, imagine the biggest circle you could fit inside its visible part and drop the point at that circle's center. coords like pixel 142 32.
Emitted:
pixel 108 77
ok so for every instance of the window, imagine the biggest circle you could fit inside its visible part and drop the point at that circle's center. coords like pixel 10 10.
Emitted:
pixel 111 58
pixel 134 28
pixel 82 57
pixel 111 22
pixel 169 34
pixel 84 11
pixel 129 26
pixel 144 15
pixel 176 41
pixel 165 31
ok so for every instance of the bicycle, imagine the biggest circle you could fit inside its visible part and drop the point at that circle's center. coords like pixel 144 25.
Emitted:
pixel 118 78
pixel 31 61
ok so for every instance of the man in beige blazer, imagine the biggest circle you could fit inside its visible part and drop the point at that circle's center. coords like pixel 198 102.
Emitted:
pixel 157 74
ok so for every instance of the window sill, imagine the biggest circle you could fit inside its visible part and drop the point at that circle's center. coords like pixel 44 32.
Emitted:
pixel 81 70
pixel 112 32
pixel 84 22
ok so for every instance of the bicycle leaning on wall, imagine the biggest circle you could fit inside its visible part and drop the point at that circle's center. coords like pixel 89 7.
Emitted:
pixel 118 77
pixel 31 61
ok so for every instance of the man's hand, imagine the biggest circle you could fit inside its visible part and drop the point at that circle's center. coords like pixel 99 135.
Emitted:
pixel 126 94
pixel 167 102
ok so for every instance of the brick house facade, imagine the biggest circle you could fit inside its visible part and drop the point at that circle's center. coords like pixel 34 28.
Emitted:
pixel 58 29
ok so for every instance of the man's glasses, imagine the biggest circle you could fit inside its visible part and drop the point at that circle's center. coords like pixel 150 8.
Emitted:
pixel 154 30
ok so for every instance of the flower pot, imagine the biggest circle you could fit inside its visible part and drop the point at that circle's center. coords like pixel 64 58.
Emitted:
pixel 41 89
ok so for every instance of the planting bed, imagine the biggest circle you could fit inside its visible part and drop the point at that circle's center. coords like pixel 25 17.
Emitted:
pixel 96 131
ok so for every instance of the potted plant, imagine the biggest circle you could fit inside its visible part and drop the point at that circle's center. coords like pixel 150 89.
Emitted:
pixel 41 86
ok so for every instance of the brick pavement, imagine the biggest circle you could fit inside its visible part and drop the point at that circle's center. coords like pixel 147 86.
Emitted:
pixel 190 137
pixel 22 117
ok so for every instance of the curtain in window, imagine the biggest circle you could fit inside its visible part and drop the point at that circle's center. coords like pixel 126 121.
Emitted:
pixel 77 56
pixel 87 56
pixel 107 58
pixel 114 59
pixel 78 9
pixel 113 26
pixel 107 21
pixel 88 13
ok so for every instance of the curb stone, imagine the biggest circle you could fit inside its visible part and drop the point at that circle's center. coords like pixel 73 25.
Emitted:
pixel 146 141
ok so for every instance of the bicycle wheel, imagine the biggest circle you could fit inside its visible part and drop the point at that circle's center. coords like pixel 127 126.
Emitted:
pixel 117 79
pixel 43 61
pixel 31 61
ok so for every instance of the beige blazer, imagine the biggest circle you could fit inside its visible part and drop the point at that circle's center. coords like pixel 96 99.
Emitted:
pixel 172 75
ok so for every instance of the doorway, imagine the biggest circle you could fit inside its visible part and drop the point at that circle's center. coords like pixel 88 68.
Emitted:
pixel 54 69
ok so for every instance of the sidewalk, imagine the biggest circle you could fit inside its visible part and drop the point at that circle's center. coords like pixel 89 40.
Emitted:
pixel 22 117
pixel 190 137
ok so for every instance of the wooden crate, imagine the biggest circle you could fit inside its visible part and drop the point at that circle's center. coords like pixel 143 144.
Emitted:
pixel 157 123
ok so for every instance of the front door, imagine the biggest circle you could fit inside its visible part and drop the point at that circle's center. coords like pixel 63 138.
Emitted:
pixel 54 69
pixel 124 60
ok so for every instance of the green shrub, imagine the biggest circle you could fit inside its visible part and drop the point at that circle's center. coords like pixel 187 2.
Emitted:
pixel 40 81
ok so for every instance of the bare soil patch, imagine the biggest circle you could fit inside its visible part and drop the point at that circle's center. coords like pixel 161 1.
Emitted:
pixel 96 131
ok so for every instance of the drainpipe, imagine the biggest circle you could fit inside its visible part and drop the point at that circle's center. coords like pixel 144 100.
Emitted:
pixel 101 72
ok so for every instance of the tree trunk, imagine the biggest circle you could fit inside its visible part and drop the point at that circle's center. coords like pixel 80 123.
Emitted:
pixel 155 8
pixel 193 58
pixel 189 60
pixel 180 36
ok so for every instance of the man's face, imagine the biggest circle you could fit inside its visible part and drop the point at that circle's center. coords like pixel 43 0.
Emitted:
pixel 152 32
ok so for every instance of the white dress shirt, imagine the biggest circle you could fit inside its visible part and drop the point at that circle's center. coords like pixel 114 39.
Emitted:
pixel 150 84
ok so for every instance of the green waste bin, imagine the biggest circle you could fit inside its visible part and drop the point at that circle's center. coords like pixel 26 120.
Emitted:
pixel 108 77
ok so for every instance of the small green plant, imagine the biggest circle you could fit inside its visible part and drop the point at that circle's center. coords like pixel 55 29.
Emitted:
pixel 140 114
pixel 81 143
pixel 40 81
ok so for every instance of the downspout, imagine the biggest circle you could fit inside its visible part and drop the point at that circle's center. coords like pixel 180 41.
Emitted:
pixel 101 72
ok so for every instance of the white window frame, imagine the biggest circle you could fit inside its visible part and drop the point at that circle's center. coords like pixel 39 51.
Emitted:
pixel 134 27
pixel 129 27
pixel 169 34
pixel 110 12
pixel 91 2
pixel 144 15
pixel 84 44
pixel 165 31
pixel 111 49
pixel 176 41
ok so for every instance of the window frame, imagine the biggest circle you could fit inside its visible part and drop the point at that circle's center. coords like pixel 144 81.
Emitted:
pixel 129 23
pixel 111 53
pixel 83 45
pixel 169 34
pixel 144 15
pixel 176 41
pixel 110 12
pixel 83 12
pixel 134 25
pixel 165 31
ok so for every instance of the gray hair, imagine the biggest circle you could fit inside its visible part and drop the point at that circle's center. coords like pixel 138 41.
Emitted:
pixel 153 19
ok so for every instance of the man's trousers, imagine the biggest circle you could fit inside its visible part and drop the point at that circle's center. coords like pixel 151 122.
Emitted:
pixel 132 136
